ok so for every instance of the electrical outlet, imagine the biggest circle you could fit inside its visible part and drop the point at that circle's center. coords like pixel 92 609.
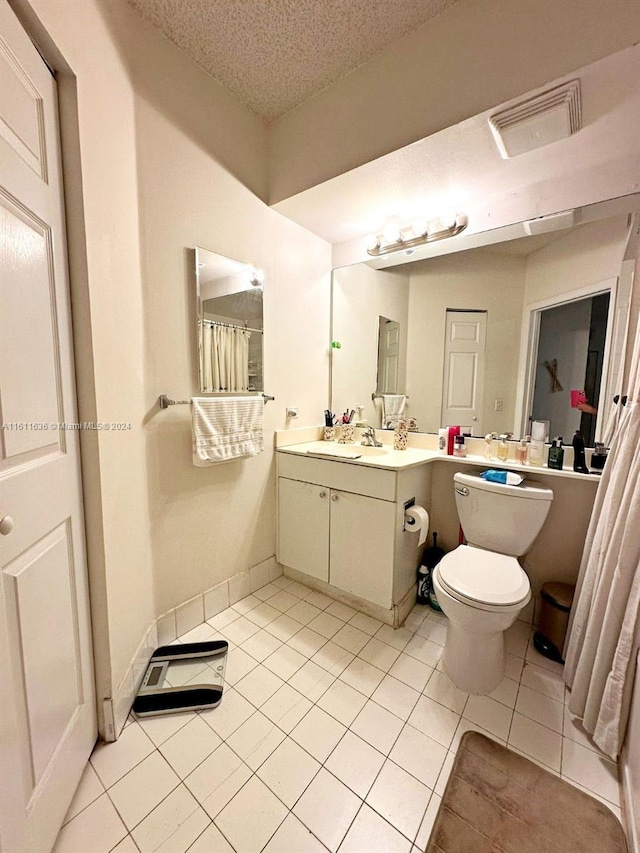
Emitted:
pixel 497 407
pixel 292 411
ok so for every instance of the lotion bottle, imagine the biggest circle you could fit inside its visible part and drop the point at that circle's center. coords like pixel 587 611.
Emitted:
pixel 521 451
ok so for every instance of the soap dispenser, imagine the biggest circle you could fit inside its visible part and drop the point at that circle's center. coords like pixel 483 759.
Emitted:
pixel 400 436
pixel 503 449
pixel 556 454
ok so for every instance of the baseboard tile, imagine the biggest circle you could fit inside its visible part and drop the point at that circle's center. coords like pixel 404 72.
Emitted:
pixel 170 625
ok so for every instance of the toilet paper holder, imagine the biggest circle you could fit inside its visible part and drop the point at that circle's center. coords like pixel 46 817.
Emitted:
pixel 410 521
pixel 416 521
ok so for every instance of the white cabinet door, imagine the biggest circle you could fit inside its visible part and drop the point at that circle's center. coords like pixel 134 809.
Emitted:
pixel 303 527
pixel 361 546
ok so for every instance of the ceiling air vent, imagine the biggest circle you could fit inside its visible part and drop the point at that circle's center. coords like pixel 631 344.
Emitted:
pixel 545 118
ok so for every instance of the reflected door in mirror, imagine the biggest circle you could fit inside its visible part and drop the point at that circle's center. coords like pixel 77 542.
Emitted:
pixel 388 356
pixel 466 333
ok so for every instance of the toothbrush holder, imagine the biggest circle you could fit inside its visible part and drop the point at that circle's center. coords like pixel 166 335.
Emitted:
pixel 347 434
pixel 329 433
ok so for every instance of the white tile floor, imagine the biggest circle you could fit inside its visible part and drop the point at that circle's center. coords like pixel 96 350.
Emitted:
pixel 334 733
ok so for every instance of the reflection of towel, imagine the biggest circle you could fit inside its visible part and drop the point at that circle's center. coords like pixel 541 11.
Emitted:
pixel 226 428
pixel 393 406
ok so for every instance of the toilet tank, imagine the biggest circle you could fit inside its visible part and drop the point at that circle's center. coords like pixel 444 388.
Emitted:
pixel 501 518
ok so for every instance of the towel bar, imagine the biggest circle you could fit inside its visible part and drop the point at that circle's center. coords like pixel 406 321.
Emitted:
pixel 375 396
pixel 164 401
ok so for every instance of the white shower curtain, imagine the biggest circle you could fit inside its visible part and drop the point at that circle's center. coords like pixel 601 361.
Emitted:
pixel 225 358
pixel 605 625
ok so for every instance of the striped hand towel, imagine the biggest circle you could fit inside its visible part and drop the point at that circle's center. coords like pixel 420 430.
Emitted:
pixel 226 428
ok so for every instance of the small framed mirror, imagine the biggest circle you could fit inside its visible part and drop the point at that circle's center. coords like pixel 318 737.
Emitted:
pixel 230 324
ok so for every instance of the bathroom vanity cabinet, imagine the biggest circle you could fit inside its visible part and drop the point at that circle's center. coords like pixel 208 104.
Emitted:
pixel 342 524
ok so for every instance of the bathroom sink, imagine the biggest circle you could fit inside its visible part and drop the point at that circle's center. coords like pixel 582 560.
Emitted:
pixel 365 450
pixel 347 451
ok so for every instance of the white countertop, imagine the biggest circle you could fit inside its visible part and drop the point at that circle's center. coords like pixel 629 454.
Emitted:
pixel 389 459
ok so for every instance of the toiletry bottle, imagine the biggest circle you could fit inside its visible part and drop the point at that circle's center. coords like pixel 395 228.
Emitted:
pixel 424 584
pixel 459 447
pixel 503 449
pixel 556 454
pixel 536 448
pixel 443 438
pixel 521 451
pixel 453 432
pixel 579 461
pixel 488 445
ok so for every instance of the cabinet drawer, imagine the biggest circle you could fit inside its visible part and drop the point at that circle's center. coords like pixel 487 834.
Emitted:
pixel 360 479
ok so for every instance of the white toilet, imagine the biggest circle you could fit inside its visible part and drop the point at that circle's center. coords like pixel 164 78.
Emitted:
pixel 481 586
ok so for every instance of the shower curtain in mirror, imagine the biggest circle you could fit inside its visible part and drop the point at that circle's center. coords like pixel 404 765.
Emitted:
pixel 605 623
pixel 225 357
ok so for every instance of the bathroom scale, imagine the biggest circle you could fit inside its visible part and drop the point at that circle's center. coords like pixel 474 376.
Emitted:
pixel 184 677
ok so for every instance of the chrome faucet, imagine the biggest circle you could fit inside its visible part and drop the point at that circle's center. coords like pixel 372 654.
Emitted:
pixel 369 438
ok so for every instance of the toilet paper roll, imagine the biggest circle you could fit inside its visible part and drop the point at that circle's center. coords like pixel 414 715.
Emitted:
pixel 416 520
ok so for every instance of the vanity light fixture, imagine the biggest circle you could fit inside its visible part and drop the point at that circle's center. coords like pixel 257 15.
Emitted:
pixel 419 233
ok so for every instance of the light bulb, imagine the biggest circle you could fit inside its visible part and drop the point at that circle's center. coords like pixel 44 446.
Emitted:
pixel 371 242
pixel 448 219
pixel 391 233
pixel 419 227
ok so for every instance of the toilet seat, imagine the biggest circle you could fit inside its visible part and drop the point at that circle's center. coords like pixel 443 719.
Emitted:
pixel 484 579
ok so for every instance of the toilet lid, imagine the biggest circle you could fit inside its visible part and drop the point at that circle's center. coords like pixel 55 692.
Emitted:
pixel 484 576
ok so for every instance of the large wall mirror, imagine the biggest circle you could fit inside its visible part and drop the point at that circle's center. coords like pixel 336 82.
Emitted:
pixel 230 324
pixel 490 337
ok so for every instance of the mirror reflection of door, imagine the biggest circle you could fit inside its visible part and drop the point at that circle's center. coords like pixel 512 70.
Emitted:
pixel 573 336
pixel 388 356
pixel 463 386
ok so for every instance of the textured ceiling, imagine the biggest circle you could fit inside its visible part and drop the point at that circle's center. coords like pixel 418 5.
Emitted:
pixel 274 54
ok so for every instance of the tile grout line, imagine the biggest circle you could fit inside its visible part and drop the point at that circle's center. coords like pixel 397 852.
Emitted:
pixel 274 727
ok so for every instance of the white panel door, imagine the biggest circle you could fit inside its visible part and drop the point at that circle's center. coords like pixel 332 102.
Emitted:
pixel 303 527
pixel 463 385
pixel 46 680
pixel 361 546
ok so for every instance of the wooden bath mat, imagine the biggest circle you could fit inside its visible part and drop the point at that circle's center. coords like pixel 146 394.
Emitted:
pixel 496 801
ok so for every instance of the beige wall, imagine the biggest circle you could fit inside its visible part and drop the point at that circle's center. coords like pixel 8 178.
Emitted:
pixel 556 553
pixel 165 153
pixel 207 524
pixel 475 281
pixel 473 56
pixel 360 296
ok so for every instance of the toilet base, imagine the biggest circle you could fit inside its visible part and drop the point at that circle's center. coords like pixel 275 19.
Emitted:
pixel 474 661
